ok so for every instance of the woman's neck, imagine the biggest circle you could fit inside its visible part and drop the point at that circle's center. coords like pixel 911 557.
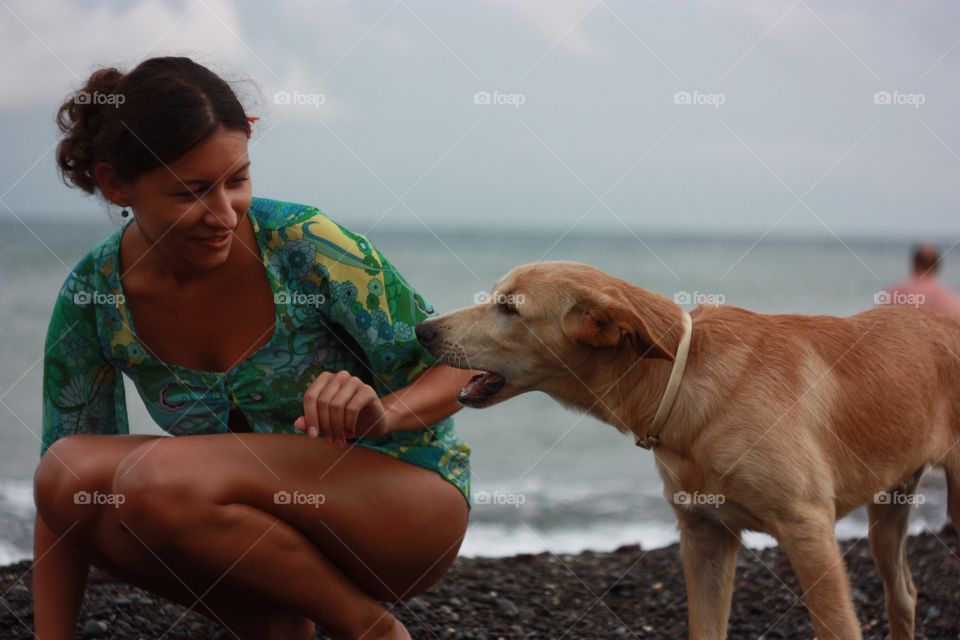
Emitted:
pixel 145 267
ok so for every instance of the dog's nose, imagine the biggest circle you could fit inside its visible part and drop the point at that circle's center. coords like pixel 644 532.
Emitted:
pixel 425 333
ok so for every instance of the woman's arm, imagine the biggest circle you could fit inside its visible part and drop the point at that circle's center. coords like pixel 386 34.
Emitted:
pixel 429 398
pixel 340 406
pixel 367 297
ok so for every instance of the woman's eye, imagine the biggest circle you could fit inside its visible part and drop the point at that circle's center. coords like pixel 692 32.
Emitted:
pixel 201 193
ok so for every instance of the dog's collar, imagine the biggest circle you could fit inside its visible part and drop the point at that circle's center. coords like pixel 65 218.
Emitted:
pixel 673 385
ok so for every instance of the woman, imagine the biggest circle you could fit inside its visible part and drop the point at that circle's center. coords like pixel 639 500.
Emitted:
pixel 245 323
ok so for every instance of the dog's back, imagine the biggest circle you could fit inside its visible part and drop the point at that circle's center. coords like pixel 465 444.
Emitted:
pixel 876 394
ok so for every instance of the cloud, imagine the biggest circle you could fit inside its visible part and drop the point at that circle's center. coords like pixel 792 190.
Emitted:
pixel 49 48
pixel 559 22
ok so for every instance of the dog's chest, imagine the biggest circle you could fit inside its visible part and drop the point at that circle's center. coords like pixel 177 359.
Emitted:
pixel 731 514
pixel 697 496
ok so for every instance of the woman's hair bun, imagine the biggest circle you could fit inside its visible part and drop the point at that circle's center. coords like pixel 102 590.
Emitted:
pixel 80 118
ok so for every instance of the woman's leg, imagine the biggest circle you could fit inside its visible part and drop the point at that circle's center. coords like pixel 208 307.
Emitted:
pixel 73 533
pixel 323 530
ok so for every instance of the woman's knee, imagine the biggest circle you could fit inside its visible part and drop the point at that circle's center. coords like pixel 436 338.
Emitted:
pixel 69 482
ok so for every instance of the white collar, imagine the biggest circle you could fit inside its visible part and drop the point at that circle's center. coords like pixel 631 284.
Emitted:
pixel 673 385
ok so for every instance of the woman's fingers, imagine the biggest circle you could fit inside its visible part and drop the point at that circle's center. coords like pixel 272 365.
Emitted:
pixel 333 400
pixel 300 424
pixel 353 408
pixel 325 416
pixel 361 401
pixel 339 413
pixel 333 405
pixel 310 400
pixel 315 407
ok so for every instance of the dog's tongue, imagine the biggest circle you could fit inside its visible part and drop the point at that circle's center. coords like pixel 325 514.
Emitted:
pixel 480 387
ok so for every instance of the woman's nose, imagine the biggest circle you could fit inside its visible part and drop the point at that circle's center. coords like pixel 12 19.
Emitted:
pixel 220 212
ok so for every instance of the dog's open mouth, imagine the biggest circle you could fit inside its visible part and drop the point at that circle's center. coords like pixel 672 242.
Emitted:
pixel 481 388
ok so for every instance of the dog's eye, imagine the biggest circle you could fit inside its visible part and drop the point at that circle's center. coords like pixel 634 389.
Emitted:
pixel 507 309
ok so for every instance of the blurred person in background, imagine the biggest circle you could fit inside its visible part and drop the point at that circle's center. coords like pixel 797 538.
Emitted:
pixel 924 288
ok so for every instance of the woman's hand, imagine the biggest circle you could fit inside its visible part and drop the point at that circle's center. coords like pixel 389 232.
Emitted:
pixel 341 406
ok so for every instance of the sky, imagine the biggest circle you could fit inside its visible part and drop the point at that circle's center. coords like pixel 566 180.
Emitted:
pixel 833 119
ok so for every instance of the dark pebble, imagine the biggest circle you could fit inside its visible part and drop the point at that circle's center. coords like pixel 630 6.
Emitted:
pixel 507 607
pixel 95 628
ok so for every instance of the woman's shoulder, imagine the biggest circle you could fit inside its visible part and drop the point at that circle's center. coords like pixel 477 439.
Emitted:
pixel 295 224
pixel 93 271
pixel 277 215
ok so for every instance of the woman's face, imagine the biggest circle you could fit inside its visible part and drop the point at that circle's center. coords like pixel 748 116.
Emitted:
pixel 188 210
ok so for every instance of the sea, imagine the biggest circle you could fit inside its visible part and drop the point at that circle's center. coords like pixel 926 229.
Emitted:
pixel 544 478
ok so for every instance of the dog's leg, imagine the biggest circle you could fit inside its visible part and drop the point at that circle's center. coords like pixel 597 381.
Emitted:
pixel 811 545
pixel 708 551
pixel 888 532
pixel 952 469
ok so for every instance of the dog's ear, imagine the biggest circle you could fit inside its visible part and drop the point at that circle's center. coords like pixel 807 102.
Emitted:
pixel 605 322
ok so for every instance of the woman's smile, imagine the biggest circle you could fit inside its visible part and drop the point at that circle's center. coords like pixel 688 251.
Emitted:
pixel 215 242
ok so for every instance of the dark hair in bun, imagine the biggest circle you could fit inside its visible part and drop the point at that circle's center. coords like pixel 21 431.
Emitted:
pixel 142 120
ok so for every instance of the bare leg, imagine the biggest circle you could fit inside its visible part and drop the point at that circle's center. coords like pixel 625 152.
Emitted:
pixel 357 526
pixel 709 554
pixel 59 577
pixel 78 534
pixel 810 543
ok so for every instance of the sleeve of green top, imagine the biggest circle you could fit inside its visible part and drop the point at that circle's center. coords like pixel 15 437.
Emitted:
pixel 82 391
pixel 376 305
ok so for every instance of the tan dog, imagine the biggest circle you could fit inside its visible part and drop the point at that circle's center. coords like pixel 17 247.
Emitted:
pixel 793 420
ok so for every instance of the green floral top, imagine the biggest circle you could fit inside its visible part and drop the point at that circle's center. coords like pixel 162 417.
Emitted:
pixel 340 305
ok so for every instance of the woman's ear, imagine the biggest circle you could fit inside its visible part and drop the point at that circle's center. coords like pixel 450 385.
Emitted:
pixel 110 184
pixel 601 321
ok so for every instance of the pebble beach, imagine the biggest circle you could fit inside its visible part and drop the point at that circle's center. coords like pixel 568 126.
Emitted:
pixel 627 593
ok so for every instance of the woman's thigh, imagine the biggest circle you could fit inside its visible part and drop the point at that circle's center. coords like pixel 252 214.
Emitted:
pixel 393 527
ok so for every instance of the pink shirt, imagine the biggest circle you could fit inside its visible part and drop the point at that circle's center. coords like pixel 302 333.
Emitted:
pixel 924 292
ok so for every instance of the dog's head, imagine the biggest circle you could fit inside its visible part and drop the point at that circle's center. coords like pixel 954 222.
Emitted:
pixel 550 327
